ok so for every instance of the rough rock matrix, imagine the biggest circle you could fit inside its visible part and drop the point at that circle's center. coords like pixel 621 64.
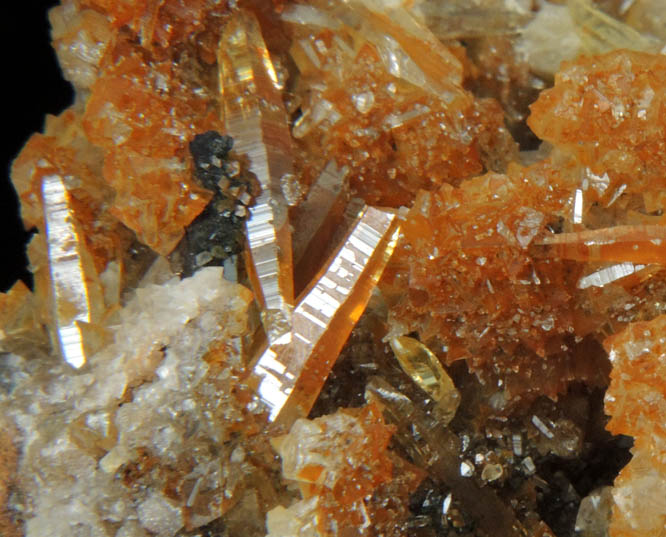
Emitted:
pixel 328 268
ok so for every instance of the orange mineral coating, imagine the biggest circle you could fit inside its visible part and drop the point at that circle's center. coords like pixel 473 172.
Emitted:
pixel 366 484
pixel 636 396
pixel 481 287
pixel 63 149
pixel 159 23
pixel 394 136
pixel 143 116
pixel 610 112
pixel 636 401
pixel 149 108
pixel 154 203
pixel 523 272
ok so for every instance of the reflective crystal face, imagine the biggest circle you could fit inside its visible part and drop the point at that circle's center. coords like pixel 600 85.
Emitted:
pixel 342 268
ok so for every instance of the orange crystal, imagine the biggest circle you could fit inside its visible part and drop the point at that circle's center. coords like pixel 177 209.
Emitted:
pixel 361 104
pixel 636 401
pixel 290 374
pixel 526 272
pixel 481 285
pixel 522 272
pixel 346 474
pixel 143 118
pixel 255 117
pixel 160 23
pixel 610 112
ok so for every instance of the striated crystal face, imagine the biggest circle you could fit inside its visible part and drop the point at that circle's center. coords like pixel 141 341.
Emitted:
pixel 254 116
pixel 329 268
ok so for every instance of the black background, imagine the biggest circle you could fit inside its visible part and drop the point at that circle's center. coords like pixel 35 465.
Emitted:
pixel 33 87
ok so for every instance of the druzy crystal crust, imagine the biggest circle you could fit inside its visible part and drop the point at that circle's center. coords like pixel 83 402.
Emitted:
pixel 343 269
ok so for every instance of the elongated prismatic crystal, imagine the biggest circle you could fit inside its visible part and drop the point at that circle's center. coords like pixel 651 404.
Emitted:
pixel 639 244
pixel 74 289
pixel 292 371
pixel 255 117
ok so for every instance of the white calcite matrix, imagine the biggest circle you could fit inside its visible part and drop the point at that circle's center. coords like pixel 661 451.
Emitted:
pixel 128 444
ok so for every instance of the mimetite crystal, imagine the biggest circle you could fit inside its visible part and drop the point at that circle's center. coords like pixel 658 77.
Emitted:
pixel 292 371
pixel 255 117
pixel 426 370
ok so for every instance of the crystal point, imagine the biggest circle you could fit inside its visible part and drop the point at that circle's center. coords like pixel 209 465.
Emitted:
pixel 292 371
pixel 255 117
pixel 74 285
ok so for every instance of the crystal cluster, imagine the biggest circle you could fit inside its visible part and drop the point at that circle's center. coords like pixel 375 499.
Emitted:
pixel 344 470
pixel 342 268
pixel 526 270
pixel 385 98
pixel 104 448
pixel 636 400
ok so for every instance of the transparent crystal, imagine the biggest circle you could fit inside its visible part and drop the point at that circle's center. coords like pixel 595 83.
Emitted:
pixel 426 370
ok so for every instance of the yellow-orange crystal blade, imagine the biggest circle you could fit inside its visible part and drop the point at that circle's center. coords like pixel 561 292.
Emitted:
pixel 255 117
pixel 316 220
pixel 623 244
pixel 73 279
pixel 292 371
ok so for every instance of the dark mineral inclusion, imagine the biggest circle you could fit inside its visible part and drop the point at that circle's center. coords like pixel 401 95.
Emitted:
pixel 218 232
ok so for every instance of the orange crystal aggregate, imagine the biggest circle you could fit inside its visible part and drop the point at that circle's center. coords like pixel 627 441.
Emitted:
pixel 636 401
pixel 476 292
pixel 144 127
pixel 520 271
pixel 291 372
pixel 609 111
pixel 345 473
pixel 498 269
pixel 399 119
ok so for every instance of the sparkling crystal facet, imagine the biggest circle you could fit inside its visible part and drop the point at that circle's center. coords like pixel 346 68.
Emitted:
pixel 75 288
pixel 293 369
pixel 255 117
pixel 427 371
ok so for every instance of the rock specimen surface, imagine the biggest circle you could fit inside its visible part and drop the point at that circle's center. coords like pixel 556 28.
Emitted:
pixel 327 268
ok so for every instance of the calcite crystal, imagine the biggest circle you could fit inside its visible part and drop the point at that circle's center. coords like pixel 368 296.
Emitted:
pixel 636 401
pixel 307 268
pixel 342 465
pixel 388 104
